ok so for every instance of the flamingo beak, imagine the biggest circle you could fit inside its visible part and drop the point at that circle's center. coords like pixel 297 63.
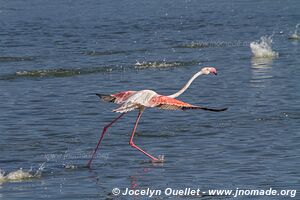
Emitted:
pixel 213 70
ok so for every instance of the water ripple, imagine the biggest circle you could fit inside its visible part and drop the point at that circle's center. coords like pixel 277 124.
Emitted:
pixel 15 58
pixel 60 72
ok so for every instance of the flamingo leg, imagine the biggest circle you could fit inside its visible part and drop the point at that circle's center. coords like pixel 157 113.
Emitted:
pixel 131 143
pixel 103 132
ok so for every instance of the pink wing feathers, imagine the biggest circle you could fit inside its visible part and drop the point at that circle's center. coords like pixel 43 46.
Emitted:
pixel 159 101
pixel 169 103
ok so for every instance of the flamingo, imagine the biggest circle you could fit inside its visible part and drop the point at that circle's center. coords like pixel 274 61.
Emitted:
pixel 140 100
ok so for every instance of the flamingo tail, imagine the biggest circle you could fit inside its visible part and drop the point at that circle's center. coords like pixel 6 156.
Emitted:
pixel 106 97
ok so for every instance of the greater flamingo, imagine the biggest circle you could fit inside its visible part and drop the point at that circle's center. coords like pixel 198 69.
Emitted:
pixel 130 100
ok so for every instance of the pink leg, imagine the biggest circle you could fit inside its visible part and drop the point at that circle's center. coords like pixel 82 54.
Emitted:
pixel 103 132
pixel 131 139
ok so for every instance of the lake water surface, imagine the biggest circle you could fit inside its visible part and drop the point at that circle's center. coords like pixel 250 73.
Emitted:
pixel 55 55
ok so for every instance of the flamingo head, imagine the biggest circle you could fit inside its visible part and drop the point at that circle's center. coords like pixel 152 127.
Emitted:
pixel 209 70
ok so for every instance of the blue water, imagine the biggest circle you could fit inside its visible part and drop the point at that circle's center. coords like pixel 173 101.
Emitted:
pixel 54 57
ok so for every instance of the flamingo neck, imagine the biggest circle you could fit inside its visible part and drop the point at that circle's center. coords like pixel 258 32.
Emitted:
pixel 186 85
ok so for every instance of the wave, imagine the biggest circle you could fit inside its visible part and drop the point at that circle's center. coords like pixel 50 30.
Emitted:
pixel 263 48
pixel 15 59
pixel 197 45
pixel 160 64
pixel 68 72
pixel 60 72
pixel 112 52
pixel 214 44
pixel 103 53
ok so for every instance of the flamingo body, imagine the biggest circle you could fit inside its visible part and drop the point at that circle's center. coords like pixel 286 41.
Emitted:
pixel 135 100
pixel 142 99
pixel 131 100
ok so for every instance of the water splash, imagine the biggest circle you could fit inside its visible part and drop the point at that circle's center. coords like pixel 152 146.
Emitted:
pixel 69 166
pixel 263 48
pixel 295 35
pixel 155 64
pixel 20 174
pixel 2 174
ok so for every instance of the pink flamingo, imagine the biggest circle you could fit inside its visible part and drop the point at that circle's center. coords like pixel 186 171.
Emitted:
pixel 131 100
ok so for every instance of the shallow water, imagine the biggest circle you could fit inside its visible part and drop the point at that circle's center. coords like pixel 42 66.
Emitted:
pixel 55 56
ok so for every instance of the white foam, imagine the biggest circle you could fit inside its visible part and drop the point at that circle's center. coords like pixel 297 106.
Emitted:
pixel 20 174
pixel 70 166
pixel 17 175
pixel 1 174
pixel 263 48
pixel 155 64
pixel 33 73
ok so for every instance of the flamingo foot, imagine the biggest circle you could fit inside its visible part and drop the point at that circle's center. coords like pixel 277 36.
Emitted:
pixel 159 159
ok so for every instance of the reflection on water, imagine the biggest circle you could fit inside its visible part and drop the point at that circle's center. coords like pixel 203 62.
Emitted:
pixel 134 179
pixel 260 71
pixel 295 35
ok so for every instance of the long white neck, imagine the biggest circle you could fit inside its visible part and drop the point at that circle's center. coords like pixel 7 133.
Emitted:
pixel 186 85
